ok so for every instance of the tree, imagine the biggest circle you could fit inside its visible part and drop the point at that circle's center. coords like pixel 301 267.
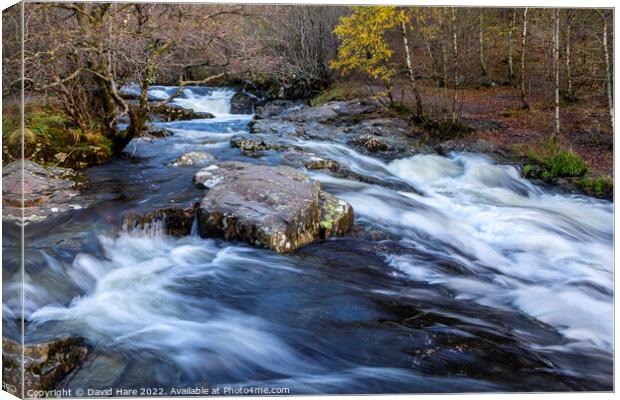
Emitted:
pixel 570 92
pixel 483 65
pixel 84 53
pixel 455 63
pixel 556 68
pixel 511 28
pixel 363 44
pixel 404 20
pixel 524 104
pixel 608 79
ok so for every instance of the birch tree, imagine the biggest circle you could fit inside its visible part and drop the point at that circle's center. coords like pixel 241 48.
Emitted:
pixel 455 62
pixel 556 69
pixel 608 77
pixel 404 20
pixel 524 104
pixel 511 28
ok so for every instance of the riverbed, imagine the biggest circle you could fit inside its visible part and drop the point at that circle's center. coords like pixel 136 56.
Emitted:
pixel 477 280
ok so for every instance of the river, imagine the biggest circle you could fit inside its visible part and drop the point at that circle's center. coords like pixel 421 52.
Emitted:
pixel 479 281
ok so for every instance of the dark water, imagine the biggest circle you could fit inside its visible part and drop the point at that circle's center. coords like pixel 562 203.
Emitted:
pixel 487 283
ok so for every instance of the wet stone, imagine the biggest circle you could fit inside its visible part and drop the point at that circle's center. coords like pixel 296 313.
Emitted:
pixel 278 207
pixel 45 364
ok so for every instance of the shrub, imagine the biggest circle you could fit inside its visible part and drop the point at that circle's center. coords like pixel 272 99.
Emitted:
pixel 548 160
pixel 566 163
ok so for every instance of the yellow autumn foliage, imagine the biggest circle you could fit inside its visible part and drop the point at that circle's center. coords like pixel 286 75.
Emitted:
pixel 363 45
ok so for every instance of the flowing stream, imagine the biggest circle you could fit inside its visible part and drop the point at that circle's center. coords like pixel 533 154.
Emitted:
pixel 477 281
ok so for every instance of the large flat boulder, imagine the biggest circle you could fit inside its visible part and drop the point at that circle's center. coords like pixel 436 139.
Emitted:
pixel 46 191
pixel 45 364
pixel 276 207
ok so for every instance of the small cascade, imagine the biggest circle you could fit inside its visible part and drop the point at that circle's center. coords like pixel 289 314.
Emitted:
pixel 194 230
pixel 213 100
pixel 155 229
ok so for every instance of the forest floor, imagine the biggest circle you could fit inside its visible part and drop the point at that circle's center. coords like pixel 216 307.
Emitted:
pixel 583 130
pixel 495 115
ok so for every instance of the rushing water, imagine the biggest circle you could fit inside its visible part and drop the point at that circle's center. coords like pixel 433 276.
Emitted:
pixel 480 280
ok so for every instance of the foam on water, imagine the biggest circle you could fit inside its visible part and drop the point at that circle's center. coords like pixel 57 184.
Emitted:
pixel 549 255
pixel 515 246
pixel 137 298
pixel 216 101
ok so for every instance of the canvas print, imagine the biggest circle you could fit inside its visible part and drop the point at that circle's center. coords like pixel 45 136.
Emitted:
pixel 225 199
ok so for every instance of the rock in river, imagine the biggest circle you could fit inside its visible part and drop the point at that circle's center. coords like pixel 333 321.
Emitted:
pixel 336 216
pixel 45 364
pixel 252 143
pixel 194 159
pixel 276 207
pixel 242 103
pixel 46 191
pixel 170 113
pixel 175 221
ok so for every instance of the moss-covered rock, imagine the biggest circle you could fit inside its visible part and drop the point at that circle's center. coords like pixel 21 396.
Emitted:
pixel 170 113
pixel 45 364
pixel 51 139
pixel 597 186
pixel 276 207
pixel 336 216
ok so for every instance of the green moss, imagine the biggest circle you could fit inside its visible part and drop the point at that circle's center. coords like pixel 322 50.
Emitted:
pixel 340 91
pixel 529 170
pixel 400 108
pixel 50 138
pixel 599 186
pixel 332 94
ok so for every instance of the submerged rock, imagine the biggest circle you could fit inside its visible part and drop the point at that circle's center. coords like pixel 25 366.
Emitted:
pixel 175 221
pixel 171 113
pixel 278 208
pixel 242 103
pixel 45 364
pixel 194 159
pixel 47 191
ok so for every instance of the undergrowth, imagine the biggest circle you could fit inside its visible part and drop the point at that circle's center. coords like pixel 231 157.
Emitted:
pixel 50 138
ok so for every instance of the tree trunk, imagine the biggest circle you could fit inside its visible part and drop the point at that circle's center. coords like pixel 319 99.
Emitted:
pixel 483 64
pixel 608 83
pixel 556 68
pixel 427 44
pixel 444 56
pixel 511 71
pixel 569 76
pixel 455 67
pixel 414 86
pixel 524 104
